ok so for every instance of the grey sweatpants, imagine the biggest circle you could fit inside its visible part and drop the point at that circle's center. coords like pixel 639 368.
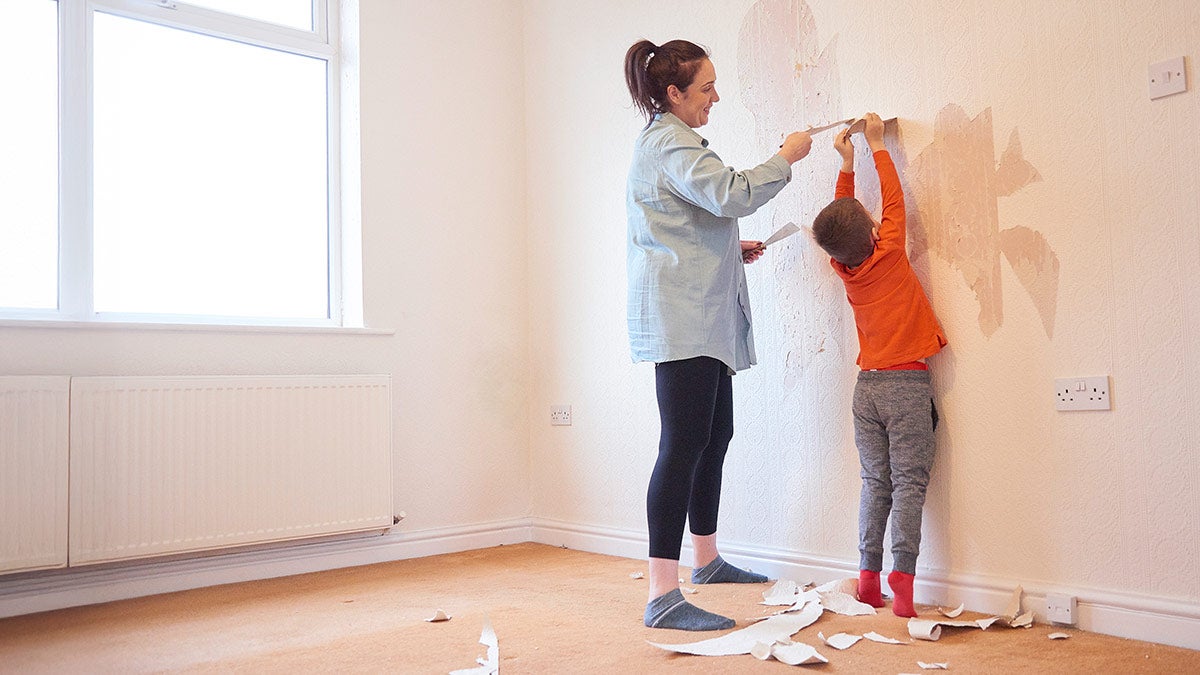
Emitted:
pixel 894 418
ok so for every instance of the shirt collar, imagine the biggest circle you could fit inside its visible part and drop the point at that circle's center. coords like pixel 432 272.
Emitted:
pixel 670 118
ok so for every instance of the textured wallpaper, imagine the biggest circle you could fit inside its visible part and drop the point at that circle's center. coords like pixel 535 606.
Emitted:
pixel 1052 212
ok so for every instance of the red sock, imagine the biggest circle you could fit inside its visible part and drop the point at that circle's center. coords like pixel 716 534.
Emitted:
pixel 902 589
pixel 868 588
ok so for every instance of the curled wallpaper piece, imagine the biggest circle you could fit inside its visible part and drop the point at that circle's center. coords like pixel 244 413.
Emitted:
pixel 1058 636
pixel 802 601
pixel 841 603
pixel 924 629
pixel 796 654
pixel 952 613
pixel 876 637
pixel 770 630
pixel 784 592
pixel 491 663
pixel 761 651
pixel 858 124
pixel 689 591
pixel 439 616
pixel 799 601
pixel 849 586
pixel 791 653
pixel 1023 621
pixel 931 629
pixel 636 575
pixel 1014 606
pixel 986 623
pixel 969 623
pixel 933 666
pixel 840 641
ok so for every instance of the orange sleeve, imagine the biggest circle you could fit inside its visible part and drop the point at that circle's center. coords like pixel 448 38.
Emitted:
pixel 845 185
pixel 892 220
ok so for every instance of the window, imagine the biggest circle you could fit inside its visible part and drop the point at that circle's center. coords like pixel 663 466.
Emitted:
pixel 28 162
pixel 198 163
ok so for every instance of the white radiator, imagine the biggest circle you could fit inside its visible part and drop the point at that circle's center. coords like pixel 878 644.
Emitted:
pixel 33 472
pixel 163 465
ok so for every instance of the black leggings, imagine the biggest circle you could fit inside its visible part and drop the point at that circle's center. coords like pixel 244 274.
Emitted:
pixel 695 407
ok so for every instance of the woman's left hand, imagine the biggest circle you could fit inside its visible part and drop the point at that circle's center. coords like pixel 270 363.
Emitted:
pixel 752 250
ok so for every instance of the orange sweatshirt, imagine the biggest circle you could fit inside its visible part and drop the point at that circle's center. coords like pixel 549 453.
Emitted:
pixel 895 321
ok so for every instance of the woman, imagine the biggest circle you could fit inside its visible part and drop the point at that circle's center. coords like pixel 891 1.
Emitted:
pixel 689 310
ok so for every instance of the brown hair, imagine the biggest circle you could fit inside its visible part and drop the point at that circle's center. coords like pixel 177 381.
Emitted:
pixel 843 230
pixel 649 70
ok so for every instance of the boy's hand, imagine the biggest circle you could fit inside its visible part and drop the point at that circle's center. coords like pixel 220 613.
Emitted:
pixel 874 132
pixel 845 148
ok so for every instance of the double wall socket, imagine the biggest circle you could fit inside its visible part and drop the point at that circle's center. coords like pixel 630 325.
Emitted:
pixel 1082 393
pixel 560 415
pixel 1060 608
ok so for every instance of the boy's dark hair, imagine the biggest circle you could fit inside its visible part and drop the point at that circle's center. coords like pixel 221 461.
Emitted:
pixel 843 230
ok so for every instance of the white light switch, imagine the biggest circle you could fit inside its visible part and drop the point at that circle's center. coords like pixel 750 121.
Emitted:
pixel 1167 77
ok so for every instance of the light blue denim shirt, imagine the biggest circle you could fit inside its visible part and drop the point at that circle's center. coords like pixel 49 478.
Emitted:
pixel 687 286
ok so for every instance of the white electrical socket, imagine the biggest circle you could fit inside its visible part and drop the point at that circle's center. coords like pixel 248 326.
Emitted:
pixel 1060 608
pixel 1082 393
pixel 560 415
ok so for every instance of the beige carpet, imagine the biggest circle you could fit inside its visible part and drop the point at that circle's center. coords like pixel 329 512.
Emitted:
pixel 554 611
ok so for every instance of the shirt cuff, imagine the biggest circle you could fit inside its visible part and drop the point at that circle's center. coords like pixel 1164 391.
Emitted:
pixel 782 166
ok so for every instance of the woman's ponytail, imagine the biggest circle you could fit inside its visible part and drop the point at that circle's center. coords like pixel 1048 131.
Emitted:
pixel 649 70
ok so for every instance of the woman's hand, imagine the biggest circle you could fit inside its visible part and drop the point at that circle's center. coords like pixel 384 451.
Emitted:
pixel 752 250
pixel 796 146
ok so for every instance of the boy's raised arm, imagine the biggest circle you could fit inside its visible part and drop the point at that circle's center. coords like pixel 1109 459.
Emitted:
pixel 845 148
pixel 889 181
pixel 873 130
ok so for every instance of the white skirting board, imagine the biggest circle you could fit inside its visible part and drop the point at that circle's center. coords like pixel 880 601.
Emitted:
pixel 46 591
pixel 1112 613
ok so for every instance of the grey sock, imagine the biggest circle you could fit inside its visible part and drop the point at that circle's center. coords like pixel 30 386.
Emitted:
pixel 670 610
pixel 720 572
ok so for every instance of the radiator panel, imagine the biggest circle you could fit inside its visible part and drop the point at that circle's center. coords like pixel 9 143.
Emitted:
pixel 166 465
pixel 33 472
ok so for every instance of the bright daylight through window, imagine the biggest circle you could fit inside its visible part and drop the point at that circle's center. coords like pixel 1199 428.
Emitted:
pixel 171 162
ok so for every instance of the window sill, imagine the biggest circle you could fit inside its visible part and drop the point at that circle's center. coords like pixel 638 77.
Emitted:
pixel 192 327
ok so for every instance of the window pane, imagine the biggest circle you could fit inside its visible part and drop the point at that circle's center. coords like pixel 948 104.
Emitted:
pixel 293 13
pixel 210 175
pixel 29 159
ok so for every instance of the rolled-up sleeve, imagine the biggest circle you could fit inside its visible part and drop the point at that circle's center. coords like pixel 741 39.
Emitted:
pixel 698 175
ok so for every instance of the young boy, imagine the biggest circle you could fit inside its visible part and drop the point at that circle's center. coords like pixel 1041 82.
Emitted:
pixel 894 416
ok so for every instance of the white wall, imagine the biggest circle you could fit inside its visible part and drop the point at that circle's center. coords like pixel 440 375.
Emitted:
pixel 1103 505
pixel 443 174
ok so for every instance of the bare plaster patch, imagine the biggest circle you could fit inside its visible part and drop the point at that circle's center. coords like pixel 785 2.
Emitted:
pixel 957 182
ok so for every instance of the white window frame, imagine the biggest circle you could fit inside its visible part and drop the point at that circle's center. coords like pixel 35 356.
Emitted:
pixel 75 240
